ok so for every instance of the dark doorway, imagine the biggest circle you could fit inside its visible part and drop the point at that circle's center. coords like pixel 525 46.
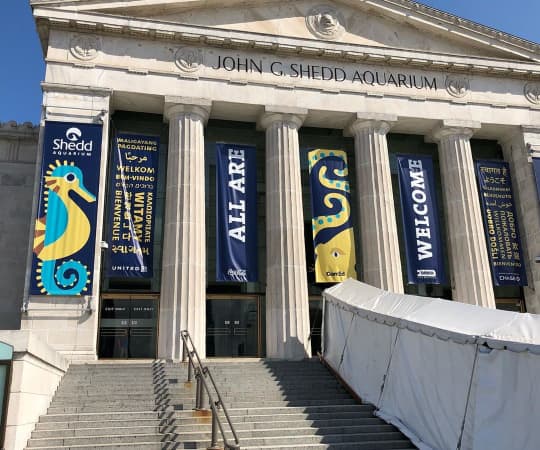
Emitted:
pixel 233 327
pixel 128 328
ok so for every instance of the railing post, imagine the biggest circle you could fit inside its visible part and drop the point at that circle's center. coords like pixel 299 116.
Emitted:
pixel 198 391
pixel 214 442
pixel 190 372
pixel 202 400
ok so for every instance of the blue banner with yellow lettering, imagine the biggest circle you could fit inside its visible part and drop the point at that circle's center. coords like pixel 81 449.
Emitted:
pixel 65 228
pixel 134 171
pixel 500 222
pixel 236 213
pixel 333 237
pixel 423 249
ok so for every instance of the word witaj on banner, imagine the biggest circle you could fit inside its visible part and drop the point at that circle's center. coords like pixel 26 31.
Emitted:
pixel 500 221
pixel 333 237
pixel 425 263
pixel 65 228
pixel 236 213
pixel 132 206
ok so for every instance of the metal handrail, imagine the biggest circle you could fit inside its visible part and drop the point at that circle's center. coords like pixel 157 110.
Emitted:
pixel 201 372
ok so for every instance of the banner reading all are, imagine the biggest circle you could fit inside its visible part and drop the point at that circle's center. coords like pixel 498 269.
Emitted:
pixel 236 214
pixel 333 237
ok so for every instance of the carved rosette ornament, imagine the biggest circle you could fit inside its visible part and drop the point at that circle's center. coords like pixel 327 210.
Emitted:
pixel 325 22
pixel 532 92
pixel 457 86
pixel 188 59
pixel 85 46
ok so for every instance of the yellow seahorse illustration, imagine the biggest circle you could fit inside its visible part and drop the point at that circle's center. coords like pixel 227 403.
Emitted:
pixel 62 231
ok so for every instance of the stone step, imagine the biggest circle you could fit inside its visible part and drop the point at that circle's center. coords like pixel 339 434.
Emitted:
pixel 134 439
pixel 204 427
pixel 351 410
pixel 240 422
pixel 134 407
pixel 187 396
pixel 368 445
pixel 183 434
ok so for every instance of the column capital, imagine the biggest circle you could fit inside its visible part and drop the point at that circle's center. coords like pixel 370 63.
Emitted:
pixel 457 128
pixel 382 123
pixel 274 114
pixel 186 105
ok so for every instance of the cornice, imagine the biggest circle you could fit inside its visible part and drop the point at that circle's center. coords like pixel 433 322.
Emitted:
pixel 407 10
pixel 47 18
pixel 14 130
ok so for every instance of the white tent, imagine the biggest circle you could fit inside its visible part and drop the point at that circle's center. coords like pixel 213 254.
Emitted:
pixel 447 374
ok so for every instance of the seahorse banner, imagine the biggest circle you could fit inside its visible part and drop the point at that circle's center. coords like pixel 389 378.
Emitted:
pixel 132 206
pixel 236 213
pixel 65 228
pixel 333 237
pixel 500 222
pixel 423 249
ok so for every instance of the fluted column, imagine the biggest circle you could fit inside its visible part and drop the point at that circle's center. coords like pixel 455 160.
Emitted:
pixel 470 269
pixel 381 260
pixel 518 147
pixel 183 285
pixel 287 309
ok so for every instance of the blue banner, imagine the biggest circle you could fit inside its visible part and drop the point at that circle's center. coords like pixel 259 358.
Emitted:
pixel 536 169
pixel 236 213
pixel 425 262
pixel 132 206
pixel 65 228
pixel 500 222
pixel 333 234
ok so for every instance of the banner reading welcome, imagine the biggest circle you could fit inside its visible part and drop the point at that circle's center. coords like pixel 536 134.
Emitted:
pixel 236 213
pixel 333 237
pixel 425 263
pixel 500 222
pixel 133 204
pixel 65 228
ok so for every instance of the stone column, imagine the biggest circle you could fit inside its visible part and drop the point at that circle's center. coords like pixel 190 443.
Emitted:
pixel 183 284
pixel 287 309
pixel 381 260
pixel 517 149
pixel 470 269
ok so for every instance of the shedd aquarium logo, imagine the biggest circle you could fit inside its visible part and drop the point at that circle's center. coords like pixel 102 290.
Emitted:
pixel 72 144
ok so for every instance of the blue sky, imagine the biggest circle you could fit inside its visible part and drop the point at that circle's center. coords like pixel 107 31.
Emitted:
pixel 23 69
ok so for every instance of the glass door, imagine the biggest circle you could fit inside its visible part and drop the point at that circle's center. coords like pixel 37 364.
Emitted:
pixel 233 326
pixel 128 327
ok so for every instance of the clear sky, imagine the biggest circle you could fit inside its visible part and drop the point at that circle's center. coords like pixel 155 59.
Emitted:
pixel 22 67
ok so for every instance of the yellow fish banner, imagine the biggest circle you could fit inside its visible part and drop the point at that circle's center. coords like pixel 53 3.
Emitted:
pixel 333 236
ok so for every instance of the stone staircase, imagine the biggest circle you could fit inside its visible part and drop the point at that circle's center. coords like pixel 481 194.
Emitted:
pixel 273 405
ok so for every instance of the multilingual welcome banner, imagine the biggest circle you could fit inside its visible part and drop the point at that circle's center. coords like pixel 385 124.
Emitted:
pixel 65 227
pixel 236 213
pixel 333 236
pixel 134 172
pixel 500 222
pixel 420 213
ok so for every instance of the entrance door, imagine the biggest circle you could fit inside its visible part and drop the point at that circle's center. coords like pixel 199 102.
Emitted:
pixel 128 327
pixel 232 327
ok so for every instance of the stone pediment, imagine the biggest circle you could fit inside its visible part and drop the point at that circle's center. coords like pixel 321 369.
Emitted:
pixel 396 24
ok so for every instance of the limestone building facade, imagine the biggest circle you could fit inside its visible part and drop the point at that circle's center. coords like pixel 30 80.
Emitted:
pixel 375 79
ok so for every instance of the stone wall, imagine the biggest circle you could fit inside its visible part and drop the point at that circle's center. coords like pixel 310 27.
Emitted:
pixel 18 148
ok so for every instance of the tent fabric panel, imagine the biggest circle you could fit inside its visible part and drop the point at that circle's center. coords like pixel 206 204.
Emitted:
pixel 427 387
pixel 506 402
